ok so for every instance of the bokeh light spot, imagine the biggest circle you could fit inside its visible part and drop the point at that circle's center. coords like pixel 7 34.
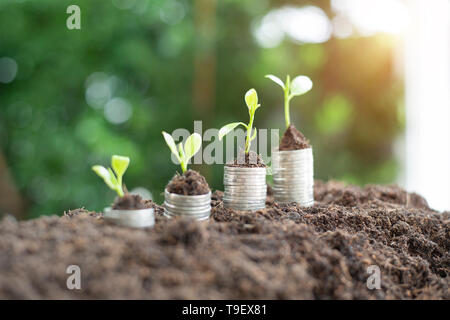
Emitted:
pixel 124 4
pixel 98 90
pixel 143 192
pixel 172 12
pixel 8 69
pixel 307 24
pixel 370 17
pixel 118 111
pixel 342 27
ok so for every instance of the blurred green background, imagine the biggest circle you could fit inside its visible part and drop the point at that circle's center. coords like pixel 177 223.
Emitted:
pixel 138 67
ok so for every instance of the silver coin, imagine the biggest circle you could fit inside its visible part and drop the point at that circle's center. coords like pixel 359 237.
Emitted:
pixel 254 170
pixel 244 182
pixel 245 207
pixel 141 218
pixel 170 216
pixel 247 189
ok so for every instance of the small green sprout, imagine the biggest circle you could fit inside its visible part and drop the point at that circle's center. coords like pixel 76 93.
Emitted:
pixel 114 181
pixel 299 85
pixel 191 147
pixel 251 99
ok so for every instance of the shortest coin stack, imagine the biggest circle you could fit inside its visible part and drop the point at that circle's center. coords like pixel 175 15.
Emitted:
pixel 141 218
pixel 293 176
pixel 244 188
pixel 196 206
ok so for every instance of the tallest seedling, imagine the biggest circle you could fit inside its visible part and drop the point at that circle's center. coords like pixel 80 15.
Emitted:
pixel 293 172
pixel 297 87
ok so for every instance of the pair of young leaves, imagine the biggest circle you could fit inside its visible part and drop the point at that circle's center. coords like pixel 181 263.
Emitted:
pixel 113 179
pixel 183 155
pixel 298 86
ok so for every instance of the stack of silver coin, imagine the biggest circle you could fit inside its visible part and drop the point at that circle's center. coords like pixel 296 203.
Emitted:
pixel 293 176
pixel 244 188
pixel 140 218
pixel 196 206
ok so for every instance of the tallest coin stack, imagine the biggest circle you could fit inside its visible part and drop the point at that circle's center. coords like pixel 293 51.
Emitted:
pixel 293 176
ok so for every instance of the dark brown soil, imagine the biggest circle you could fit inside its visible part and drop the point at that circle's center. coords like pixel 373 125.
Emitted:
pixel 189 184
pixel 293 140
pixel 281 252
pixel 131 202
pixel 248 160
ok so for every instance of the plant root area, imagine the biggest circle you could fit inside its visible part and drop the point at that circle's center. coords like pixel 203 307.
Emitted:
pixel 281 252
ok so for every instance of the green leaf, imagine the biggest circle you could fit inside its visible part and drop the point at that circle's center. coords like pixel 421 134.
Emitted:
pixel 116 183
pixel 182 157
pixel 229 127
pixel 251 99
pixel 192 145
pixel 120 165
pixel 171 143
pixel 181 152
pixel 113 178
pixel 300 85
pixel 276 80
pixel 103 173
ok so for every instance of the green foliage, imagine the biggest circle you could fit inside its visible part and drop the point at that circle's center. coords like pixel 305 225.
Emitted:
pixel 335 115
pixel 251 99
pixel 114 181
pixel 191 147
pixel 151 56
pixel 299 86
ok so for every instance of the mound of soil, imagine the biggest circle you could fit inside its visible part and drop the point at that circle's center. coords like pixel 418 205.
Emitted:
pixel 248 160
pixel 131 202
pixel 293 140
pixel 281 252
pixel 190 183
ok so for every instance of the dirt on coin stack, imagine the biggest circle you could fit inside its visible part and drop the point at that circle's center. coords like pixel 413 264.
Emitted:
pixel 281 252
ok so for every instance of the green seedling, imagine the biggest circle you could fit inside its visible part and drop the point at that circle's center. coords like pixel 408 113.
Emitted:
pixel 251 99
pixel 119 164
pixel 191 147
pixel 298 86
